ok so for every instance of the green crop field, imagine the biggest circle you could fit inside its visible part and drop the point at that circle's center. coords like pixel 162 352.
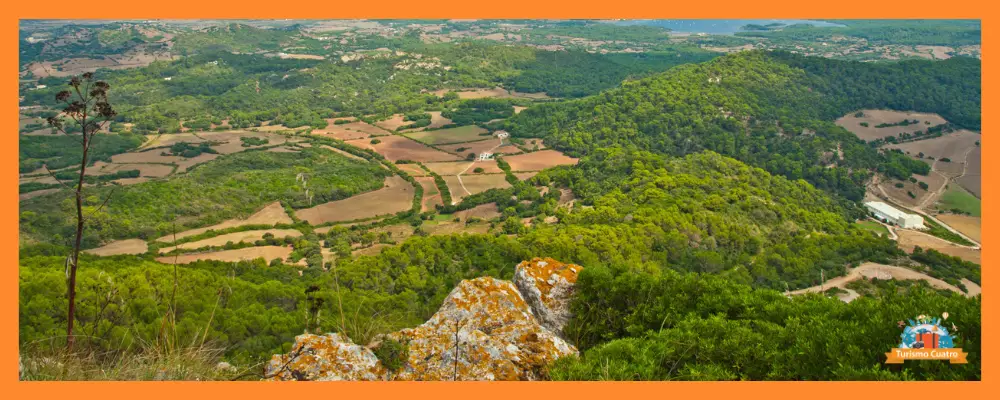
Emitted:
pixel 956 198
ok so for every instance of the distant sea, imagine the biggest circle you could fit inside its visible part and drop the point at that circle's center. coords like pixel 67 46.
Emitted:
pixel 719 26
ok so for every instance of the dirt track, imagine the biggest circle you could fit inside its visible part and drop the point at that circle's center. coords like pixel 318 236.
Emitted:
pixel 873 270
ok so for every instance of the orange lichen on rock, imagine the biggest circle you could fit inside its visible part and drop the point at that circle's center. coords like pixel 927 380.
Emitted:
pixel 547 286
pixel 484 330
pixel 325 358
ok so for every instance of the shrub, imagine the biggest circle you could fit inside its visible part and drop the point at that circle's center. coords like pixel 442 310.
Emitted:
pixel 392 354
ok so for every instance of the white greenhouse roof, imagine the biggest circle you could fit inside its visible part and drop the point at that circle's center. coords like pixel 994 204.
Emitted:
pixel 886 209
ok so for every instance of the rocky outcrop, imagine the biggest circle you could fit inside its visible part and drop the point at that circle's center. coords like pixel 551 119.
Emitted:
pixel 547 285
pixel 325 358
pixel 487 329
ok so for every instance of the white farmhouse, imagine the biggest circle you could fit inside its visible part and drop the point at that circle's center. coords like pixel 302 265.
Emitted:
pixel 890 214
pixel 501 134
pixel 485 156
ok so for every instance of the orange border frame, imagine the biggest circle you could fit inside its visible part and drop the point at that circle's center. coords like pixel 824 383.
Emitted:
pixel 556 9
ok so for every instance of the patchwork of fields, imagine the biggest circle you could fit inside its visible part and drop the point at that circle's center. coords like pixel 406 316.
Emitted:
pixel 444 152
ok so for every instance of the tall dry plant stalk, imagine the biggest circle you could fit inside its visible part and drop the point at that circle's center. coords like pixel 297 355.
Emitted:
pixel 86 105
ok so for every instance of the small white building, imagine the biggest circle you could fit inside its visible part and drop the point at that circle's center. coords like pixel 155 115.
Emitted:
pixel 485 156
pixel 501 134
pixel 892 215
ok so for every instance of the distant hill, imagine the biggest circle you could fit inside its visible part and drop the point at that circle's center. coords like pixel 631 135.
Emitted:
pixel 769 109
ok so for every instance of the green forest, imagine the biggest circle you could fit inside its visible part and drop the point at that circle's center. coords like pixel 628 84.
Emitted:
pixel 898 31
pixel 61 151
pixel 768 109
pixel 213 85
pixel 635 229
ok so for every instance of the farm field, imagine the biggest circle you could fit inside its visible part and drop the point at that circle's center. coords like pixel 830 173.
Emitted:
pixel 145 170
pixel 478 147
pixel 486 211
pixel 474 184
pixel 934 181
pixel 272 214
pixel 873 226
pixel 235 237
pixel 36 193
pixel 146 156
pixel 539 160
pixel 395 148
pixel 508 149
pixel 473 93
pixel 393 123
pixel 954 146
pixel 436 228
pixel 282 149
pixel 908 239
pixel 75 66
pixel 343 153
pixel 233 144
pixel 187 163
pixel 128 246
pixel 456 167
pixel 396 196
pixel 460 134
pixel 413 170
pixel 151 152
pixel 969 225
pixel 226 137
pixel 955 197
pixel 497 92
pixel 46 178
pixel 437 121
pixel 875 117
pixel 350 131
pixel 268 253
pixel 525 175
pixel 326 229
pixel 432 196
pixel 952 169
pixel 972 180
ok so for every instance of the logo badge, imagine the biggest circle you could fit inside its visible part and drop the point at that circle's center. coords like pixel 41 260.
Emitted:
pixel 926 338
